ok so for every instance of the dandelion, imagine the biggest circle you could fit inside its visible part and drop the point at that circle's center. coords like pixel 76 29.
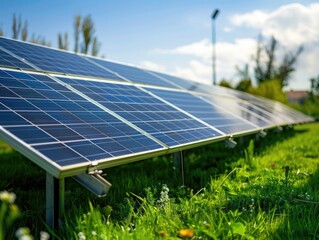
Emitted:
pixel 186 233
pixel 44 235
pixel 26 237
pixel 7 197
pixel 94 233
pixel 81 236
pixel 22 231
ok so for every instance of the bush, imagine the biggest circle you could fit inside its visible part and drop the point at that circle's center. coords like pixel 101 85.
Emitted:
pixel 270 89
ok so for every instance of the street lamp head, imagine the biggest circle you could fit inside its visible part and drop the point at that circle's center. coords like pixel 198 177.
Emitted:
pixel 215 14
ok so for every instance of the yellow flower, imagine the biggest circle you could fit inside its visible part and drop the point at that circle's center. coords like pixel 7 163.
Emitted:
pixel 14 208
pixel 163 234
pixel 186 233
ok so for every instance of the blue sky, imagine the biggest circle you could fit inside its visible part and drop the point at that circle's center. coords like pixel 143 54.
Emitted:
pixel 174 35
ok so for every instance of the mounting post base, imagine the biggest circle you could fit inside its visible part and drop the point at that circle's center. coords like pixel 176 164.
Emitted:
pixel 179 163
pixel 54 210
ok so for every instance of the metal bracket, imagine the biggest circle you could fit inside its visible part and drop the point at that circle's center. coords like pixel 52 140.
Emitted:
pixel 93 169
pixel 179 163
pixel 230 143
pixel 279 129
pixel 262 134
pixel 93 181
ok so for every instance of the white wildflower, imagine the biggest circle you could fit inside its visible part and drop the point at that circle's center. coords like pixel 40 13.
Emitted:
pixel 8 197
pixel 22 231
pixel 81 236
pixel 44 235
pixel 164 198
pixel 26 237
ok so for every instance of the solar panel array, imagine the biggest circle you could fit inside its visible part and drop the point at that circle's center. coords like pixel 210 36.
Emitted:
pixel 67 112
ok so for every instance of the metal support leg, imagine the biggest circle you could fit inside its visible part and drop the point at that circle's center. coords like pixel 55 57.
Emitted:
pixel 54 211
pixel 179 162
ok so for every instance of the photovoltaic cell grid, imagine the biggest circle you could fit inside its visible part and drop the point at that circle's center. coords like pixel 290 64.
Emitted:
pixel 267 106
pixel 209 113
pixel 162 121
pixel 285 114
pixel 9 61
pixel 133 74
pixel 245 110
pixel 181 83
pixel 60 124
pixel 51 60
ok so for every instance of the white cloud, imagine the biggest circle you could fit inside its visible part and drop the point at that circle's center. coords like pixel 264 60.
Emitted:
pixel 153 66
pixel 254 19
pixel 292 25
pixel 200 49
pixel 227 29
pixel 198 67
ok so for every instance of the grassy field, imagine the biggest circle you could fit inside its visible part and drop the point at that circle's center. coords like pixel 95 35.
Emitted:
pixel 262 189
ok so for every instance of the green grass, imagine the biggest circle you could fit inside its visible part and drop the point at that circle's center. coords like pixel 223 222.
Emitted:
pixel 262 189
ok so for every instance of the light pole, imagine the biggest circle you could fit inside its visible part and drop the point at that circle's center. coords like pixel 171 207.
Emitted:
pixel 214 16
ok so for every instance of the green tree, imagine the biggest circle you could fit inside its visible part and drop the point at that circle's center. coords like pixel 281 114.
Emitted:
pixel 270 89
pixel 24 31
pixel 63 41
pixel 244 85
pixel 95 47
pixel 267 67
pixel 16 26
pixel 77 30
pixel 88 33
pixel 245 82
pixel 39 39
pixel 225 83
pixel 314 89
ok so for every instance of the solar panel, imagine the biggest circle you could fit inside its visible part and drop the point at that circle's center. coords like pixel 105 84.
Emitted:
pixel 245 110
pixel 61 125
pixel 178 82
pixel 211 114
pixel 260 104
pixel 8 60
pixel 133 74
pixel 160 120
pixel 51 60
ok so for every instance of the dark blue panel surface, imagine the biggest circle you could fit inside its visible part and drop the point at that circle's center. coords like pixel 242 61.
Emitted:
pixel 216 117
pixel 51 60
pixel 31 134
pixel 62 125
pixel 145 111
pixel 7 60
pixel 133 74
